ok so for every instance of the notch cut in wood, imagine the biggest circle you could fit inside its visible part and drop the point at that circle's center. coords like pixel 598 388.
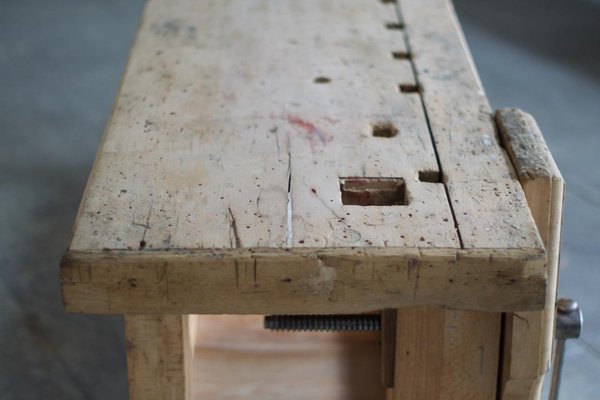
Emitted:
pixel 373 192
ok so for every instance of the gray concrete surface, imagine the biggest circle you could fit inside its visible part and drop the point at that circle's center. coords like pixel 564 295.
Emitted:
pixel 60 63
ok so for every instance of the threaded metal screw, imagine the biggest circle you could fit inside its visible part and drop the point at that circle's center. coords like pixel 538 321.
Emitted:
pixel 342 322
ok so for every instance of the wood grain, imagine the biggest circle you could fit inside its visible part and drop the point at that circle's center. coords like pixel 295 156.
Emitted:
pixel 302 280
pixel 235 358
pixel 218 140
pixel 219 143
pixel 159 357
pixel 446 354
pixel 487 200
pixel 529 335
pixel 451 354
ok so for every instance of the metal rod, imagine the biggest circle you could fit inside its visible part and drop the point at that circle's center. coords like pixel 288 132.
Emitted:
pixel 569 321
pixel 557 368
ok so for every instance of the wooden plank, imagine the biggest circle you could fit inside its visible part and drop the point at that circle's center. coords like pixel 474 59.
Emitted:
pixel 159 357
pixel 484 195
pixel 220 142
pixel 333 281
pixel 438 358
pixel 529 335
pixel 487 199
pixel 235 358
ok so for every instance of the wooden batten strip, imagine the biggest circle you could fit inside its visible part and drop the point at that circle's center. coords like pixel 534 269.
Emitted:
pixel 347 281
pixel 528 336
pixel 159 357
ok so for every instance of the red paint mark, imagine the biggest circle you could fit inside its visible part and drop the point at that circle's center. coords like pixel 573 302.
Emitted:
pixel 309 127
pixel 312 131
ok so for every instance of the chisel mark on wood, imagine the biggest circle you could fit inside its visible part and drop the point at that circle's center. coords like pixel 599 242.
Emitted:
pixel 162 280
pixel 413 271
pixel 327 206
pixel 235 240
pixel 274 132
pixel 258 214
pixel 520 318
pixel 146 226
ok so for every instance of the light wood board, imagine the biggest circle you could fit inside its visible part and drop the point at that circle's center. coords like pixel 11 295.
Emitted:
pixel 159 357
pixel 235 125
pixel 529 336
pixel 235 358
pixel 302 281
pixel 446 355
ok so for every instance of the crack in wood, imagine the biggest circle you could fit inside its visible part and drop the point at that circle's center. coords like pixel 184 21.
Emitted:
pixel 429 129
pixel 234 229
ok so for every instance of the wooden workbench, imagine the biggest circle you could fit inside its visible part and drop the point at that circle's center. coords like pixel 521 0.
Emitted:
pixel 315 157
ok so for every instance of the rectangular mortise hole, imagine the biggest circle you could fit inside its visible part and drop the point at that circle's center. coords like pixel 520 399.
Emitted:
pixel 394 25
pixel 430 176
pixel 401 55
pixel 373 192
pixel 384 129
pixel 409 88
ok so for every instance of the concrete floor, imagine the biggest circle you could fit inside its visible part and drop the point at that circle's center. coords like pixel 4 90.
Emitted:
pixel 60 64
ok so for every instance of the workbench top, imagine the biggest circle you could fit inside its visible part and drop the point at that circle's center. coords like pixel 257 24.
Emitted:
pixel 338 156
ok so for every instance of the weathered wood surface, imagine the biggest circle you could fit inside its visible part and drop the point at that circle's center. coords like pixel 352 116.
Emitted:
pixel 529 335
pixel 159 357
pixel 454 354
pixel 235 358
pixel 218 122
pixel 487 199
pixel 236 125
pixel 337 281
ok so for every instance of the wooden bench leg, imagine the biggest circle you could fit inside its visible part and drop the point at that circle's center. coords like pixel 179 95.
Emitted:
pixel 159 356
pixel 529 335
pixel 445 355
